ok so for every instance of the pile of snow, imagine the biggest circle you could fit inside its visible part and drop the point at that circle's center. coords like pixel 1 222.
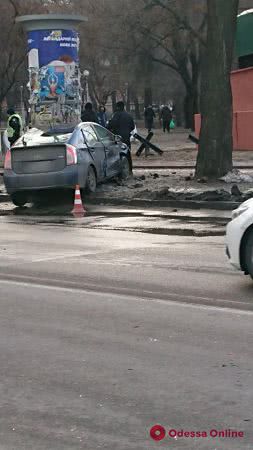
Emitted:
pixel 235 176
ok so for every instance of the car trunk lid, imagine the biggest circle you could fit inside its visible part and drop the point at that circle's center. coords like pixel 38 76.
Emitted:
pixel 38 159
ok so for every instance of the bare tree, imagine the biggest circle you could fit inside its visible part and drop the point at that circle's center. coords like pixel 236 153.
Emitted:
pixel 126 47
pixel 13 48
pixel 216 143
pixel 178 40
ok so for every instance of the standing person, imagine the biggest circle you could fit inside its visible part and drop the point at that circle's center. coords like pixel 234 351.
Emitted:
pixel 102 116
pixel 122 123
pixel 166 116
pixel 14 126
pixel 160 115
pixel 88 115
pixel 149 115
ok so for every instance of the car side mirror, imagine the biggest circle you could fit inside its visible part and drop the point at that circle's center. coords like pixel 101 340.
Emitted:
pixel 118 139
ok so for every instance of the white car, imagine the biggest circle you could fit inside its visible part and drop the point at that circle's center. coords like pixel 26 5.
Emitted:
pixel 239 238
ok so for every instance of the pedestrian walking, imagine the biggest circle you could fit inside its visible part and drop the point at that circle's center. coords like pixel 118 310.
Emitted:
pixel 149 115
pixel 166 116
pixel 14 126
pixel 102 116
pixel 88 115
pixel 122 123
pixel 160 115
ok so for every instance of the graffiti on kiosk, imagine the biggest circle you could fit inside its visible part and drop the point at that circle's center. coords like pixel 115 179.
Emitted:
pixel 54 72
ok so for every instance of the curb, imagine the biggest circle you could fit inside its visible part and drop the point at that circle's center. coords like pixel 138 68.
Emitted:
pixel 4 198
pixel 185 204
pixel 180 167
pixel 166 167
pixel 147 203
pixel 162 167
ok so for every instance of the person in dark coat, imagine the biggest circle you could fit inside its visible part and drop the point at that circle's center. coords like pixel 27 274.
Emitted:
pixel 102 116
pixel 88 115
pixel 122 123
pixel 166 116
pixel 149 115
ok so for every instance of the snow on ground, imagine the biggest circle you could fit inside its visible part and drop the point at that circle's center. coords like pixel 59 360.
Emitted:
pixel 171 184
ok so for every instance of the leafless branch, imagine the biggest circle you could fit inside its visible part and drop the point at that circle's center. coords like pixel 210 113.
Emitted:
pixel 165 5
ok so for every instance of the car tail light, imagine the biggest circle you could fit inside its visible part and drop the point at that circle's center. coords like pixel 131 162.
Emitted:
pixel 7 160
pixel 71 155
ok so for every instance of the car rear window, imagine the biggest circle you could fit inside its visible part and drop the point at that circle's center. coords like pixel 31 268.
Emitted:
pixel 58 131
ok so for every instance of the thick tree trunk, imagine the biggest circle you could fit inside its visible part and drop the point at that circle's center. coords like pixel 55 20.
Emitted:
pixel 216 143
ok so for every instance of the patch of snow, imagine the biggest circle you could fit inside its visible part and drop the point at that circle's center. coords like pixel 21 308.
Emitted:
pixel 235 176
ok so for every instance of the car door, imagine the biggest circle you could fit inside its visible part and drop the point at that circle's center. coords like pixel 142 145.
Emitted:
pixel 112 150
pixel 96 149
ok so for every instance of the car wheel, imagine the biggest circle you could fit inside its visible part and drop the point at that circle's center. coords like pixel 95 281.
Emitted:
pixel 249 254
pixel 126 170
pixel 19 199
pixel 91 181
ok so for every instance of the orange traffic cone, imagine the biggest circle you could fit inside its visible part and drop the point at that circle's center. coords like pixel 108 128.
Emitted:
pixel 78 210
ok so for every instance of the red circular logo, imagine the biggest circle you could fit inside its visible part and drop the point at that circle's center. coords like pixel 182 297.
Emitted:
pixel 157 433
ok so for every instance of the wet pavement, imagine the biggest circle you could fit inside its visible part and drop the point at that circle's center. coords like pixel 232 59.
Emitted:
pixel 168 221
pixel 57 210
pixel 119 320
pixel 107 329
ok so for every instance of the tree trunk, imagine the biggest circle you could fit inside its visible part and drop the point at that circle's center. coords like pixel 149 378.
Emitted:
pixel 188 111
pixel 137 108
pixel 114 100
pixel 148 96
pixel 191 79
pixel 216 143
pixel 93 99
pixel 196 76
pixel 190 108
pixel 128 99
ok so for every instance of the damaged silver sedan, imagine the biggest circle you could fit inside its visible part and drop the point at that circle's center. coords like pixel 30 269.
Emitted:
pixel 62 158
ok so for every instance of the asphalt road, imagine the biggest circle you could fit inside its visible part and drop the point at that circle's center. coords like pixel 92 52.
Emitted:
pixel 105 333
